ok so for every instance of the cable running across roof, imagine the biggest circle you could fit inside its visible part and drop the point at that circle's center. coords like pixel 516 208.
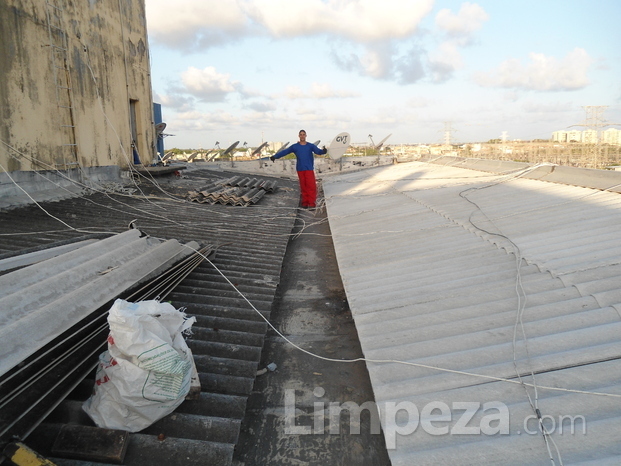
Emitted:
pixel 407 363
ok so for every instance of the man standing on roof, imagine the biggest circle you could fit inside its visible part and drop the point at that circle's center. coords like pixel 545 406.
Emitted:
pixel 305 167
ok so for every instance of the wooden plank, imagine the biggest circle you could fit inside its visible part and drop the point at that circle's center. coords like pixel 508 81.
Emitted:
pixel 91 443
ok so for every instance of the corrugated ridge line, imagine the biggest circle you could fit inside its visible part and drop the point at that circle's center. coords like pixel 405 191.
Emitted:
pixel 498 313
pixel 446 339
pixel 588 218
pixel 421 446
pixel 418 380
pixel 410 275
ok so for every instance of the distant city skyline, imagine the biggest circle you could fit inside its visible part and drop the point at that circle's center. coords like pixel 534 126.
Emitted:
pixel 254 70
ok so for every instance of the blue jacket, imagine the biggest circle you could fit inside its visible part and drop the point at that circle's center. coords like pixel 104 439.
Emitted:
pixel 304 154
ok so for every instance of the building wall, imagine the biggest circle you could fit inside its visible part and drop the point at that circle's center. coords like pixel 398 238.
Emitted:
pixel 559 136
pixel 611 136
pixel 96 48
pixel 589 136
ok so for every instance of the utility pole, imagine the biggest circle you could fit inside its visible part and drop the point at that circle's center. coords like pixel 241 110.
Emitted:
pixel 448 130
pixel 503 146
pixel 593 123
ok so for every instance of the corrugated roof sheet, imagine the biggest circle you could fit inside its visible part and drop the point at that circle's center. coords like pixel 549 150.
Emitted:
pixel 228 335
pixel 441 265
pixel 43 300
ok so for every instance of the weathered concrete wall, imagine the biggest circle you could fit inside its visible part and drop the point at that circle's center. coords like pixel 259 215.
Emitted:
pixel 98 49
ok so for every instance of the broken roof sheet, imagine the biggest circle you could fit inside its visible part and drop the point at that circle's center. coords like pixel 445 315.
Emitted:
pixel 442 266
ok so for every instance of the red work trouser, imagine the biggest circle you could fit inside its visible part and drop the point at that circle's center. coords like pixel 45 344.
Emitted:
pixel 308 188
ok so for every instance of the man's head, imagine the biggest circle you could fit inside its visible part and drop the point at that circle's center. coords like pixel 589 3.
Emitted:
pixel 302 135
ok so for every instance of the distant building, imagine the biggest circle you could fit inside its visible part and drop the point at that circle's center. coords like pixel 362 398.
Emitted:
pixel 609 136
pixel 589 136
pixel 274 146
pixel 559 136
pixel 75 87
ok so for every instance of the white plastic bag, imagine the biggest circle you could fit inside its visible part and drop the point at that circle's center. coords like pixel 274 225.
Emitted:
pixel 147 370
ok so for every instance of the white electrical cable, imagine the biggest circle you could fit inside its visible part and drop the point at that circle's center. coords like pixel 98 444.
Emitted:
pixel 382 361
pixel 85 187
pixel 518 322
pixel 426 366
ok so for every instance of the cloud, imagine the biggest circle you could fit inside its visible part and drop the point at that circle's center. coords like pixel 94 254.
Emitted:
pixel 368 37
pixel 199 121
pixel 207 84
pixel 325 91
pixel 543 73
pixel 382 61
pixel 294 92
pixel 191 24
pixel 419 102
pixel 409 68
pixel 370 27
pixel 176 101
pixel 318 91
pixel 358 20
pixel 463 24
pixel 262 106
pixel 378 60
pixel 445 61
pixel 548 107
pixel 459 29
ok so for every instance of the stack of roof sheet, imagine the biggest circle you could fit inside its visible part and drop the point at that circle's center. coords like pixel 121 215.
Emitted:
pixel 44 299
pixel 237 191
pixel 465 284
pixel 247 182
pixel 53 322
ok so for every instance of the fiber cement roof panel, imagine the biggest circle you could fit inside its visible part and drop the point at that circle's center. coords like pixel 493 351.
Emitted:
pixel 477 280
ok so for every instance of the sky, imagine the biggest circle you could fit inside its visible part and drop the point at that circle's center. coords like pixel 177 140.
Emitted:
pixel 261 70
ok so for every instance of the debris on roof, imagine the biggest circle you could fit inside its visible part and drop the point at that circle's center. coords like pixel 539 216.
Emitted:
pixel 237 191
